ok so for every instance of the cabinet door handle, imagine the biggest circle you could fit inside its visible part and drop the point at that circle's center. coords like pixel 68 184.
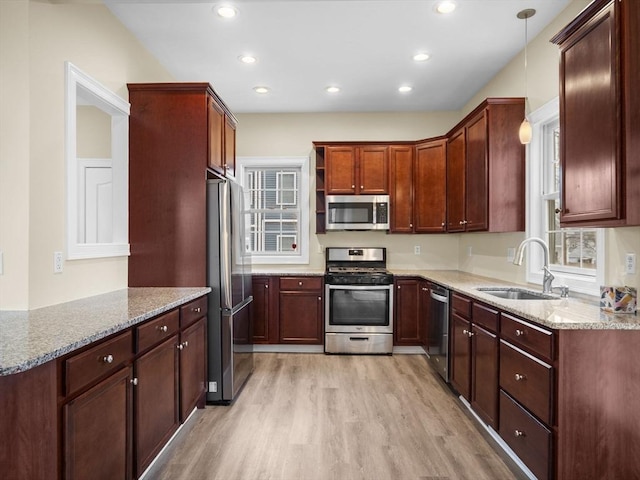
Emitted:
pixel 186 343
pixel 134 381
pixel 361 187
pixel 163 328
pixel 519 433
pixel 299 284
pixel 319 299
pixel 180 346
pixel 266 285
pixel 519 333
pixel 519 377
pixel 107 359
pixel 353 186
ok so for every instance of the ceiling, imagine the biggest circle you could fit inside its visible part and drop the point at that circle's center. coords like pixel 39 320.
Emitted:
pixel 365 47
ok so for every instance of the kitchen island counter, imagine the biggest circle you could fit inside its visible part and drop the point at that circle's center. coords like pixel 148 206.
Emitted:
pixel 578 312
pixel 31 338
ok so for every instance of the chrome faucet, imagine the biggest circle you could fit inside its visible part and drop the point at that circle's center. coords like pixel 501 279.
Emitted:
pixel 548 277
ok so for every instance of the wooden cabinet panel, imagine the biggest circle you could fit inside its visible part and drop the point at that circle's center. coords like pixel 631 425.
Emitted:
pixel 477 173
pixel 156 401
pixel 153 332
pixel 193 311
pixel 301 283
pixel 406 328
pixel 460 355
pixel 373 174
pixel 264 321
pixel 485 316
pixel 193 368
pixel 530 337
pixel 430 186
pixel 401 188
pixel 96 431
pixel 528 380
pixel 527 437
pixel 461 305
pixel 98 361
pixel 340 166
pixel 484 374
pixel 229 146
pixel 301 317
pixel 456 158
pixel 215 121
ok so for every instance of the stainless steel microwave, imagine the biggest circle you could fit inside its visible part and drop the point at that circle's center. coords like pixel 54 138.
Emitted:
pixel 357 212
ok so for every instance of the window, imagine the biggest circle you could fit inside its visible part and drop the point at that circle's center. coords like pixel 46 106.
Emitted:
pixel 576 254
pixel 97 168
pixel 277 191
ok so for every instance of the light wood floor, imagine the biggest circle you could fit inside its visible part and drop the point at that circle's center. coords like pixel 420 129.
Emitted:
pixel 315 416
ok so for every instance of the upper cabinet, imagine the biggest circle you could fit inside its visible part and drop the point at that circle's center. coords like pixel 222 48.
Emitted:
pixel 352 169
pixel 430 185
pixel 600 115
pixel 222 136
pixel 401 188
pixel 486 169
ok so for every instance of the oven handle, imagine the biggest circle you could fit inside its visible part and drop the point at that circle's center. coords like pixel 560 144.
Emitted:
pixel 359 287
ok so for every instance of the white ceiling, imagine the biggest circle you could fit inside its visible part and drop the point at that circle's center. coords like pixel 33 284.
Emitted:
pixel 363 46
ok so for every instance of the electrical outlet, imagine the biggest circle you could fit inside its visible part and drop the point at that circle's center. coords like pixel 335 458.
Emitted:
pixel 57 262
pixel 630 263
pixel 511 254
pixel 416 250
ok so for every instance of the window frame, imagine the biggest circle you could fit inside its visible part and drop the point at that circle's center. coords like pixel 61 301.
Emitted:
pixel 302 254
pixel 587 283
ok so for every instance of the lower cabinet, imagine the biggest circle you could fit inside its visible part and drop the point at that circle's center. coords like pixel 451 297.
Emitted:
pixel 301 310
pixel 96 428
pixel 407 328
pixel 124 397
pixel 264 321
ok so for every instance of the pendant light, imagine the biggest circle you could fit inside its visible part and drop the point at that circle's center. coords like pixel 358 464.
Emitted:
pixel 525 127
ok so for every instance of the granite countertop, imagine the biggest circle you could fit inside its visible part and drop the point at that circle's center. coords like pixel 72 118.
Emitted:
pixel 31 338
pixel 576 312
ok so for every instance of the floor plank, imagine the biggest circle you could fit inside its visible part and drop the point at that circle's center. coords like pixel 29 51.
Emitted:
pixel 314 416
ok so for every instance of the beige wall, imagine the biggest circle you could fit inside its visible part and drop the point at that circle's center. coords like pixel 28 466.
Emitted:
pixel 37 38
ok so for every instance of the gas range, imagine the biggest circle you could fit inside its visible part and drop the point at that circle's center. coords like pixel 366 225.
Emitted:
pixel 357 266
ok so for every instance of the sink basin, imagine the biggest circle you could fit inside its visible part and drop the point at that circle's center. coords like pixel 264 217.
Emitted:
pixel 514 293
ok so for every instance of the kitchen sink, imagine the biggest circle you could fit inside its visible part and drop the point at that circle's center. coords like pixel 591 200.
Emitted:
pixel 515 293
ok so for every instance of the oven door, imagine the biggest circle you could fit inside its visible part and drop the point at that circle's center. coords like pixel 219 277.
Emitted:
pixel 358 308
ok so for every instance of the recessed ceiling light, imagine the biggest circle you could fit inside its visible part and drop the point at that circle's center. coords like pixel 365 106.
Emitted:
pixel 405 89
pixel 333 89
pixel 261 89
pixel 247 59
pixel 421 57
pixel 446 6
pixel 226 11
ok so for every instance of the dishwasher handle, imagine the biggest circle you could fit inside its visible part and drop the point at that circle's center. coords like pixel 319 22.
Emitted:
pixel 441 298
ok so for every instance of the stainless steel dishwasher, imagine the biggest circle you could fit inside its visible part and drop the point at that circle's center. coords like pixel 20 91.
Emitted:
pixel 438 330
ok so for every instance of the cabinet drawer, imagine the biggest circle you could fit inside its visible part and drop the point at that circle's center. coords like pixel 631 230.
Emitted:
pixel 527 379
pixel 192 311
pixel 300 283
pixel 488 317
pixel 462 305
pixel 154 331
pixel 83 368
pixel 526 436
pixel 530 337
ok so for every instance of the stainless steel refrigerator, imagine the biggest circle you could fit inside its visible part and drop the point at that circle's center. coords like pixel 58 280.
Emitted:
pixel 230 351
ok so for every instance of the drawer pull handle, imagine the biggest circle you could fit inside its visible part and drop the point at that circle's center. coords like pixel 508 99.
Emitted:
pixel 519 433
pixel 134 381
pixel 107 359
pixel 519 333
pixel 519 377
pixel 197 309
pixel 467 333
pixel 300 284
pixel 163 328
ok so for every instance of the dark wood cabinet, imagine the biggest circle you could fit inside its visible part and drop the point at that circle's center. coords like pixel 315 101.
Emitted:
pixel 264 320
pixel 176 131
pixel 156 401
pixel 96 431
pixel 407 328
pixel 456 177
pixel 401 188
pixel 485 169
pixel 352 169
pixel 485 357
pixel 424 311
pixel 193 367
pixel 430 186
pixel 460 354
pixel 600 115
pixel 301 310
